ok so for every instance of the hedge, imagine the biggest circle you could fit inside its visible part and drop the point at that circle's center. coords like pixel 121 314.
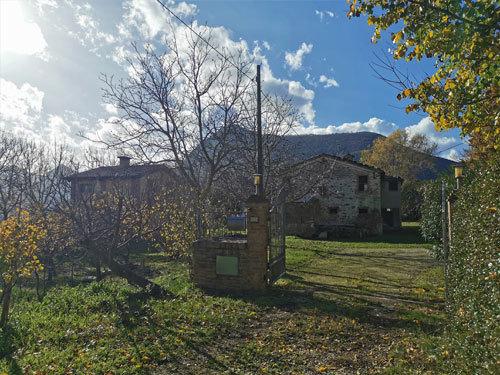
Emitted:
pixel 474 299
pixel 431 221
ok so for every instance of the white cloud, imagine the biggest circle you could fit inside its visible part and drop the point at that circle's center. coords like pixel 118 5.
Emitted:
pixel 17 35
pixel 301 97
pixel 57 126
pixel 446 141
pixel 452 155
pixel 19 106
pixel 21 113
pixel 184 9
pixel 310 80
pixel 374 125
pixel 89 32
pixel 324 14
pixel 266 45
pixel 110 108
pixel 328 82
pixel 294 59
pixel 442 138
pixel 149 17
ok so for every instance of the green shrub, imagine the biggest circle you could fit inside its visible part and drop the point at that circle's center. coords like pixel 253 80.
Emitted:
pixel 474 303
pixel 431 221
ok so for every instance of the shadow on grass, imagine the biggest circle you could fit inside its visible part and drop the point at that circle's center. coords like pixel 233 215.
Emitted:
pixel 405 235
pixel 352 303
pixel 8 339
pixel 402 236
pixel 132 314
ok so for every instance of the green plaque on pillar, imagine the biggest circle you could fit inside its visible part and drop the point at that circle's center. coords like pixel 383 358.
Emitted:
pixel 226 265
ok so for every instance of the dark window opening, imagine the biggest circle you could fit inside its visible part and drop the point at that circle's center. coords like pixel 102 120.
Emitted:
pixel 323 191
pixel 363 210
pixel 333 210
pixel 362 183
pixel 393 185
pixel 86 188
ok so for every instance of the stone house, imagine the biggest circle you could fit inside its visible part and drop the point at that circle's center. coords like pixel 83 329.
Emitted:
pixel 139 180
pixel 334 196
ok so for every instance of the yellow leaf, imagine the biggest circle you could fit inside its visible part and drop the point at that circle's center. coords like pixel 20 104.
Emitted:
pixel 397 37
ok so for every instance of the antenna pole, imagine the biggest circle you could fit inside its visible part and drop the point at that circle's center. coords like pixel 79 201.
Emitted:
pixel 260 158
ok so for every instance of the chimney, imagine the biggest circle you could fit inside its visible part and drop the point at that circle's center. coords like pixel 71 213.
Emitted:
pixel 124 161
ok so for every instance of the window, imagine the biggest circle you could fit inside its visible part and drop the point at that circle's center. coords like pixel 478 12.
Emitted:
pixel 363 210
pixel 393 185
pixel 323 191
pixel 86 188
pixel 362 183
pixel 333 210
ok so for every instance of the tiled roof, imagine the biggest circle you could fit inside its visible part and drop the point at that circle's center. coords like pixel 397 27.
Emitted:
pixel 132 171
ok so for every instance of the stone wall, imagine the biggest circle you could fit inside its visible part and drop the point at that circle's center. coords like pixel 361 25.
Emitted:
pixel 204 271
pixel 249 253
pixel 335 199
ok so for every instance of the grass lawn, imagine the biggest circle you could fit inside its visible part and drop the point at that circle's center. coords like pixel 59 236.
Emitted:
pixel 371 306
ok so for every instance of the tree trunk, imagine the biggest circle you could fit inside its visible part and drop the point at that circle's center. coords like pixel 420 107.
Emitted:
pixel 123 271
pixel 37 285
pixel 51 269
pixel 98 271
pixel 135 279
pixel 7 293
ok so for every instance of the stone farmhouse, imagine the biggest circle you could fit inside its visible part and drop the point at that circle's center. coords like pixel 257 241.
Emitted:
pixel 139 180
pixel 334 196
pixel 329 196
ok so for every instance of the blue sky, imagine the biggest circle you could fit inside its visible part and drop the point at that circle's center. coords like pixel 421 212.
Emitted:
pixel 52 52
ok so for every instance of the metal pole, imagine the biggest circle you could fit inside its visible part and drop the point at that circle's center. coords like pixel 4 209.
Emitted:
pixel 443 221
pixel 444 238
pixel 260 158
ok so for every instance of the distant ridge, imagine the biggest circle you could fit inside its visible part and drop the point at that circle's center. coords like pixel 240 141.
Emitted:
pixel 340 144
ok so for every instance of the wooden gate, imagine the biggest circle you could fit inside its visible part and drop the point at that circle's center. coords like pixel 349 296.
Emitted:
pixel 276 253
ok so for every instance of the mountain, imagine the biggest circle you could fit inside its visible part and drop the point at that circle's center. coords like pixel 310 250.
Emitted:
pixel 341 144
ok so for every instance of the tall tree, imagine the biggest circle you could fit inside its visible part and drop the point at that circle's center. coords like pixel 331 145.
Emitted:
pixel 188 106
pixel 462 38
pixel 401 155
pixel 407 157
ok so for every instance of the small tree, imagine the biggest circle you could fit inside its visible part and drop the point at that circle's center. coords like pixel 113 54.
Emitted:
pixel 19 240
pixel 106 223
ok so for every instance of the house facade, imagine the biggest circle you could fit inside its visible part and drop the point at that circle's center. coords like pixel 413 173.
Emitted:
pixel 335 197
pixel 139 181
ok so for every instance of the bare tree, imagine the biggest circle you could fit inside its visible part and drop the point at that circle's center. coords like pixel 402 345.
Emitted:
pixel 105 223
pixel 12 150
pixel 180 107
pixel 194 109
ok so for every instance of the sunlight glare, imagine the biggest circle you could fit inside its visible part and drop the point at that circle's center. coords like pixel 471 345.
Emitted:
pixel 16 34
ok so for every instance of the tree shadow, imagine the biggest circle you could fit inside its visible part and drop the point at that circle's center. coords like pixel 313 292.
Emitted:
pixel 132 312
pixel 406 235
pixel 9 338
pixel 348 302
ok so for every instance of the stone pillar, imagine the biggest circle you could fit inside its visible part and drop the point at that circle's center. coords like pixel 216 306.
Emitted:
pixel 258 240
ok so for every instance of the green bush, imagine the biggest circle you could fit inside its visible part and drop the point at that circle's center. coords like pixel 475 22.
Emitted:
pixel 474 303
pixel 431 221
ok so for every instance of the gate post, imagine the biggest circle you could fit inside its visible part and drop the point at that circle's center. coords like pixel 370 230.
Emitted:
pixel 258 239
